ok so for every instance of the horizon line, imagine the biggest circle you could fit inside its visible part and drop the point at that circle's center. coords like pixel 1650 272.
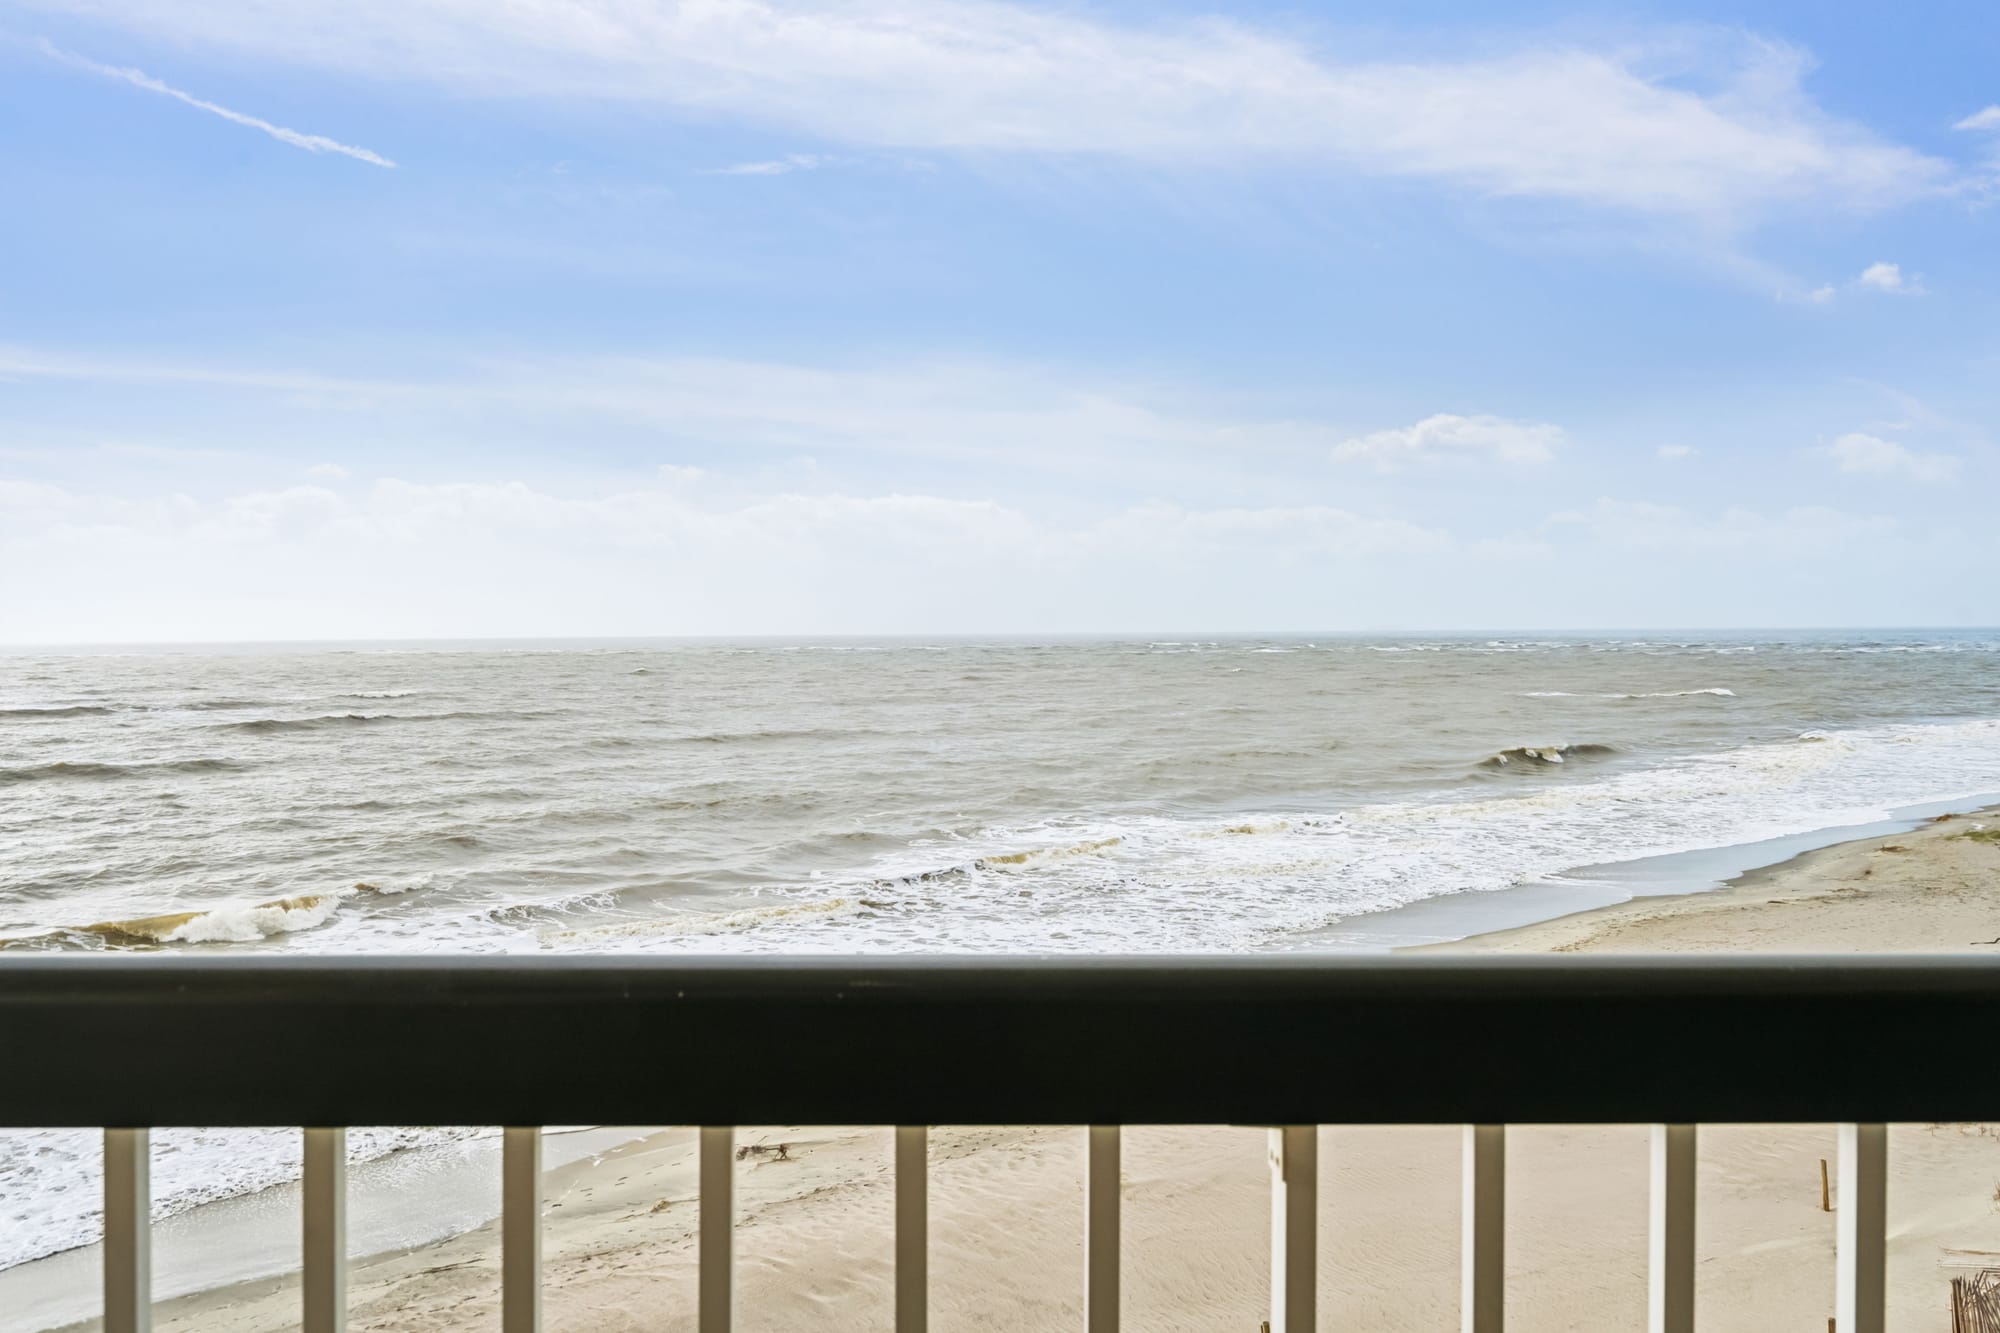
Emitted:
pixel 962 636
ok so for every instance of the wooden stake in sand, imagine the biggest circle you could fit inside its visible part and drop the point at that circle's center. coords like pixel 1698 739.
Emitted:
pixel 1825 1204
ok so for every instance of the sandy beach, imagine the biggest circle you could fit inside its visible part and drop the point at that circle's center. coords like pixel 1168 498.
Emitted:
pixel 1006 1203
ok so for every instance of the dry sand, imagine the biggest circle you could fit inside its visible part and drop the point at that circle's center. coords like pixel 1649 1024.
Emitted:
pixel 1006 1203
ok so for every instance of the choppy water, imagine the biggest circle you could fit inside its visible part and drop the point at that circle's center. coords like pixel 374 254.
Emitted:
pixel 1131 796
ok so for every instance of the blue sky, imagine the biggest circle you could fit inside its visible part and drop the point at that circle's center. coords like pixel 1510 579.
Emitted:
pixel 431 317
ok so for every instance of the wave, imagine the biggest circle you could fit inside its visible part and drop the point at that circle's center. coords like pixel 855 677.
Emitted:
pixel 86 771
pixel 1251 829
pixel 1717 691
pixel 57 710
pixel 1000 862
pixel 1044 855
pixel 273 726
pixel 1531 757
pixel 229 923
pixel 719 923
pixel 774 734
pixel 233 924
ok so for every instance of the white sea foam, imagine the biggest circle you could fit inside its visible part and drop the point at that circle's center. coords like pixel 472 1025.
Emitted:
pixel 1172 885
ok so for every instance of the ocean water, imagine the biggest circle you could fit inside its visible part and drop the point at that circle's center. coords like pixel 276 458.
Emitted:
pixel 1135 795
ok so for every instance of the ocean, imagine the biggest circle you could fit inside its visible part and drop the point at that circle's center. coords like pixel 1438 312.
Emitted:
pixel 1171 794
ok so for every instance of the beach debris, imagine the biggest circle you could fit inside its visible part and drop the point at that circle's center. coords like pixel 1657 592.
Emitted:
pixel 777 1152
pixel 1975 1302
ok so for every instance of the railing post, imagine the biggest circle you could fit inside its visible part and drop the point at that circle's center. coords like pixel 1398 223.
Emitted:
pixel 1294 1227
pixel 521 1230
pixel 1103 1196
pixel 1861 1227
pixel 128 1231
pixel 912 1228
pixel 1483 1286
pixel 1670 1281
pixel 718 1229
pixel 323 1266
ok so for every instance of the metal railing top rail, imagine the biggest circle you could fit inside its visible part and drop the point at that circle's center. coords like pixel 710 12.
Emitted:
pixel 270 1040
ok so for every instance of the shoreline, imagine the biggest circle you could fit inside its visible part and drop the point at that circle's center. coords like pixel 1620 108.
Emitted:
pixel 813 1230
pixel 1825 902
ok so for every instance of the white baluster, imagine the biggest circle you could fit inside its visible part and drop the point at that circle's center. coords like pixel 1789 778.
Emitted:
pixel 521 1230
pixel 1483 1254
pixel 323 1266
pixel 1670 1284
pixel 1861 1228
pixel 1294 1227
pixel 128 1231
pixel 912 1229
pixel 1103 1197
pixel 718 1229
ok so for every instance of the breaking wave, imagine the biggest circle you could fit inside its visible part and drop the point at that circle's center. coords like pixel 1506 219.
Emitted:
pixel 1044 855
pixel 229 923
pixel 1528 758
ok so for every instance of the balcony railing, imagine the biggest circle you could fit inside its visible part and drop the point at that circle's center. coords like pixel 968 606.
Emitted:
pixel 1289 1043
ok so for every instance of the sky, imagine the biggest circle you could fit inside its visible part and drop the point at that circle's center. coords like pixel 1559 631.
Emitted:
pixel 335 319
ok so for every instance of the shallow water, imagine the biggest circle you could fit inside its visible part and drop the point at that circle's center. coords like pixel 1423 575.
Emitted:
pixel 1183 795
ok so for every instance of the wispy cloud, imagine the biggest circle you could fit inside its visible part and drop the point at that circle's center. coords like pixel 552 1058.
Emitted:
pixel 312 143
pixel 779 166
pixel 1989 119
pixel 1715 126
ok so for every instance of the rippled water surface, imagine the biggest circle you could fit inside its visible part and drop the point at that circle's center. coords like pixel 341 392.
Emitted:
pixel 1144 795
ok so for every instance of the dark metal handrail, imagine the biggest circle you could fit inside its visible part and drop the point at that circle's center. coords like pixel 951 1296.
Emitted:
pixel 1268 1040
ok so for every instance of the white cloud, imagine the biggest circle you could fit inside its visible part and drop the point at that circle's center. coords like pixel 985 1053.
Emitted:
pixel 327 472
pixel 312 143
pixel 1447 436
pixel 1674 453
pixel 1717 127
pixel 1887 277
pixel 1869 455
pixel 1989 119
